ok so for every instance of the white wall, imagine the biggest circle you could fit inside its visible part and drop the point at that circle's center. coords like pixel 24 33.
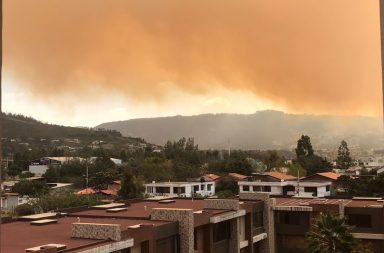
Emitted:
pixel 38 170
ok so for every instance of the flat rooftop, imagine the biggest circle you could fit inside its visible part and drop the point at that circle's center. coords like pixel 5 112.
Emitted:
pixel 373 203
pixel 20 235
pixel 143 209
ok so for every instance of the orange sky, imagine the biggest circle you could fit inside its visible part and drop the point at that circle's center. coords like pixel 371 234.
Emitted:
pixel 305 56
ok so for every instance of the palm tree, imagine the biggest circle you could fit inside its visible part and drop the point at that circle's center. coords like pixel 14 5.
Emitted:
pixel 330 234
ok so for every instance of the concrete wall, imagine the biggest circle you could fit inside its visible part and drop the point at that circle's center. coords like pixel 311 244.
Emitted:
pixel 96 231
pixel 186 228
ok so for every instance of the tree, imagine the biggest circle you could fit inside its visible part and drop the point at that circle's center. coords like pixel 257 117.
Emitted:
pixel 344 160
pixel 295 169
pixel 272 159
pixel 330 234
pixel 304 147
pixel 227 187
pixel 51 175
pixel 308 160
pixel 31 188
pixel 131 186
pixel 314 164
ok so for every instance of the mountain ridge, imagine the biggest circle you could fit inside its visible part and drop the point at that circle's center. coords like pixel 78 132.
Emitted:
pixel 267 129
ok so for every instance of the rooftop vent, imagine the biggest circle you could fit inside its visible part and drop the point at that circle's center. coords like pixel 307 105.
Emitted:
pixel 46 246
pixel 43 222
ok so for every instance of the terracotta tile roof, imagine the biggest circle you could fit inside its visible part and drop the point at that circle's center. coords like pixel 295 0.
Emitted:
pixel 237 176
pixel 212 176
pixel 86 191
pixel 331 175
pixel 279 175
pixel 117 182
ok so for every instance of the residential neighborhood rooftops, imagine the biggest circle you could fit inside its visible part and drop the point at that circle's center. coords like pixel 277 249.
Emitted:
pixel 18 236
pixel 143 209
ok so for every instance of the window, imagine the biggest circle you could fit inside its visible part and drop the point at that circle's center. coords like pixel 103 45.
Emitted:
pixel 312 190
pixel 360 220
pixel 246 188
pixel 202 187
pixel 266 188
pixel 221 231
pixel 257 188
pixel 195 188
pixel 327 188
pixel 209 187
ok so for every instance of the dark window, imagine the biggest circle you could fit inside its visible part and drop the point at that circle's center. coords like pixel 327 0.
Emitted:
pixel 360 220
pixel 289 218
pixel 327 188
pixel 195 188
pixel 266 188
pixel 202 187
pixel 221 231
pixel 195 239
pixel 161 189
pixel 313 190
pixel 209 187
pixel 257 188
pixel 246 188
pixel 258 219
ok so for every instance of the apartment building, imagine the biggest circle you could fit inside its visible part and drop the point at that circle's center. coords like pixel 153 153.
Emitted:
pixel 252 223
pixel 167 226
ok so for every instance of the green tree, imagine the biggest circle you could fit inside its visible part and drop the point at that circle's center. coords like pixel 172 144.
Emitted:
pixel 304 147
pixel 272 159
pixel 226 187
pixel 131 186
pixel 344 160
pixel 31 188
pixel 330 234
pixel 314 164
pixel 295 169
pixel 51 175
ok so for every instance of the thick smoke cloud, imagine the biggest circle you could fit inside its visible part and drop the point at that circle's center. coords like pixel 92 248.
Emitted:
pixel 308 55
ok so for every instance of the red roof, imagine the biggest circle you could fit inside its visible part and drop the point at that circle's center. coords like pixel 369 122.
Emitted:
pixel 279 175
pixel 86 191
pixel 331 175
pixel 214 177
pixel 237 176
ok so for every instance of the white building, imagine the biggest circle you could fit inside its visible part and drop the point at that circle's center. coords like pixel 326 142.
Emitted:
pixel 180 189
pixel 276 183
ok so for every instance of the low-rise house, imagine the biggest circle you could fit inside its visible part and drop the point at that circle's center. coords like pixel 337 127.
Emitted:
pixel 180 189
pixel 324 177
pixel 276 183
